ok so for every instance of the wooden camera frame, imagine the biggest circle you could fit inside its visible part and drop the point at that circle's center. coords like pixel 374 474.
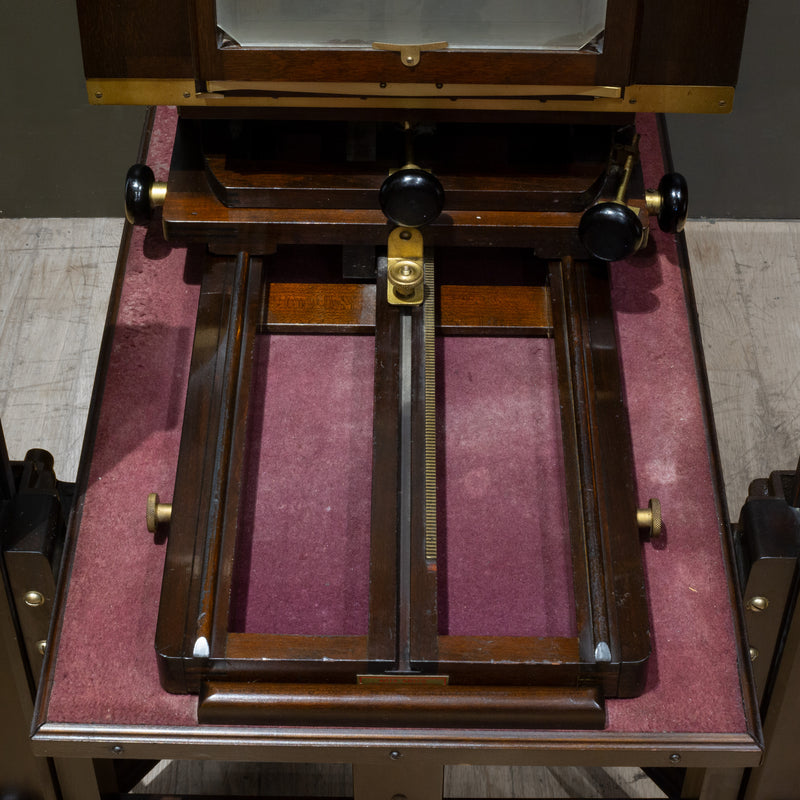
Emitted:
pixel 404 671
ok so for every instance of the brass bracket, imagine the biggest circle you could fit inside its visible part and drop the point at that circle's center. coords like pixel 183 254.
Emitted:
pixel 410 53
pixel 405 270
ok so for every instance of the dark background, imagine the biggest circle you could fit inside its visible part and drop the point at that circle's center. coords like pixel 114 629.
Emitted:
pixel 62 157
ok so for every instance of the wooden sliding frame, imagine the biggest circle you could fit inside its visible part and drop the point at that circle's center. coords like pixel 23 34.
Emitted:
pixel 403 653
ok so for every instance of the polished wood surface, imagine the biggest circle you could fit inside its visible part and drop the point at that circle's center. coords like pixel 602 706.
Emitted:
pixel 675 44
pixel 208 201
pixel 400 705
pixel 194 644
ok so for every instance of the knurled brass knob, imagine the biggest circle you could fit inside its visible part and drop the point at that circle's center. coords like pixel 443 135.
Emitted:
pixel 649 519
pixel 405 275
pixel 157 513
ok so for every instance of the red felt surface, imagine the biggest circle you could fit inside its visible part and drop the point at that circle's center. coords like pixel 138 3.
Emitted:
pixel 504 544
pixel 302 566
pixel 105 668
pixel 303 563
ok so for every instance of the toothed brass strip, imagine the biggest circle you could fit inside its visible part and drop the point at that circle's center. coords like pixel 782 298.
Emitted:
pixel 429 321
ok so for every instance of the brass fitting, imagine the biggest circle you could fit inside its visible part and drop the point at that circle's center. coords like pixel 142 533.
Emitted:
pixel 649 519
pixel 157 513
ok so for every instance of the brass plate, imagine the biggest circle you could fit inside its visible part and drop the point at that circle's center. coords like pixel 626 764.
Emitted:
pixel 402 680
pixel 405 245
pixel 638 97
pixel 446 90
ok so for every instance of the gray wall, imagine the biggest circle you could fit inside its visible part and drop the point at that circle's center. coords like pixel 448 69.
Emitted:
pixel 63 157
pixel 747 164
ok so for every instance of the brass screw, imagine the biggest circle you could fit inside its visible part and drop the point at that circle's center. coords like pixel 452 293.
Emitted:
pixel 675 758
pixel 157 513
pixel 405 275
pixel 41 646
pixel 34 599
pixel 649 519
pixel 753 653
pixel 757 604
pixel 98 95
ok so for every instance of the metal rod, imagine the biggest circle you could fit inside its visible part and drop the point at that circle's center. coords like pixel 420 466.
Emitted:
pixel 627 171
pixel 404 487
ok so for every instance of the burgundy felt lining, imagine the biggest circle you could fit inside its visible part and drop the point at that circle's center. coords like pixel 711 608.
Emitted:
pixel 105 669
pixel 302 565
pixel 303 561
pixel 504 547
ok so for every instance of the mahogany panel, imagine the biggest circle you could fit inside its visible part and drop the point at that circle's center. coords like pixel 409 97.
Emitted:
pixel 147 39
pixel 384 593
pixel 651 43
pixel 496 309
pixel 690 43
pixel 350 308
pixel 401 705
pixel 346 185
pixel 324 307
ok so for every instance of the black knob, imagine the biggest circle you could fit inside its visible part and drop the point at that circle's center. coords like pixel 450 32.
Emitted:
pixel 411 197
pixel 138 183
pixel 674 205
pixel 610 231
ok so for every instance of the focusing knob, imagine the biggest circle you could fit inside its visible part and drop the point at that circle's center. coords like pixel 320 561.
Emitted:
pixel 411 197
pixel 672 204
pixel 610 231
pixel 142 194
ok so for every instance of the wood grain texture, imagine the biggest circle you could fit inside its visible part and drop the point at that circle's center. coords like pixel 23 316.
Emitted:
pixel 270 780
pixel 54 287
pixel 747 285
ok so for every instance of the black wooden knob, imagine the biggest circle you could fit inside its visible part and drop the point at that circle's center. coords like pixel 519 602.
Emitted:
pixel 411 197
pixel 610 231
pixel 138 183
pixel 674 204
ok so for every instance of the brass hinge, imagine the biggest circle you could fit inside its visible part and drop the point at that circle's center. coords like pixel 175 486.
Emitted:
pixel 410 53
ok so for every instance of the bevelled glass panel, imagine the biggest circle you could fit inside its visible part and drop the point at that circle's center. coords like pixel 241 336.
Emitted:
pixel 565 25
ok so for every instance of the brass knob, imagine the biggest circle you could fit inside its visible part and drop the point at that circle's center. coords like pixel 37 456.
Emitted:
pixel 405 275
pixel 649 519
pixel 157 513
